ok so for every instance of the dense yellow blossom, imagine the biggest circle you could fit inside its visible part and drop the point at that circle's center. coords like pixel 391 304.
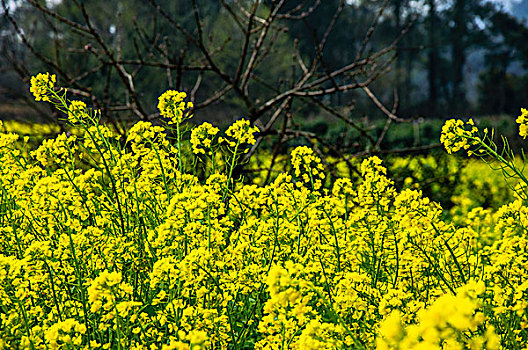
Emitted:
pixel 172 106
pixel 447 323
pixel 239 134
pixel 202 138
pixel 76 110
pixel 308 168
pixel 41 85
pixel 118 244
pixel 457 135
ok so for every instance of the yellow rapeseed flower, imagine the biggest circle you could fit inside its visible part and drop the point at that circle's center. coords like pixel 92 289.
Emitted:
pixel 172 106
pixel 104 243
pixel 458 135
pixel 41 85
pixel 240 132
pixel 308 168
pixel 76 110
pixel 522 120
pixel 202 138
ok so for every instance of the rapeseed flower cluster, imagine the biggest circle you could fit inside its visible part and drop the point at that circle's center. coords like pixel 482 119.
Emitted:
pixel 522 120
pixel 112 243
pixel 77 109
pixel 240 134
pixel 447 323
pixel 171 105
pixel 42 86
pixel 457 135
pixel 308 168
pixel 202 138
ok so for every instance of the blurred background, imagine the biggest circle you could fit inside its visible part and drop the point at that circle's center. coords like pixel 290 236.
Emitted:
pixel 364 76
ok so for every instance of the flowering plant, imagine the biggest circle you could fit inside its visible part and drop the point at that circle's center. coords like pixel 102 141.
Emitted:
pixel 111 243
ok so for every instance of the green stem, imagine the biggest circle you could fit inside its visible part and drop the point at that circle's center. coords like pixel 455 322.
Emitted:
pixel 231 167
pixel 26 321
pixel 500 158
pixel 178 144
pixel 119 346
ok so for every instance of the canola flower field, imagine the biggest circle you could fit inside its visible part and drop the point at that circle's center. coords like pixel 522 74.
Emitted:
pixel 112 243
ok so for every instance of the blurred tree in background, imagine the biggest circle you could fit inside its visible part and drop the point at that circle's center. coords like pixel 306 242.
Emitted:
pixel 301 70
pixel 275 62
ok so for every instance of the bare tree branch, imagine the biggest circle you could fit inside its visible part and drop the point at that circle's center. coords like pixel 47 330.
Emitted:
pixel 187 54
